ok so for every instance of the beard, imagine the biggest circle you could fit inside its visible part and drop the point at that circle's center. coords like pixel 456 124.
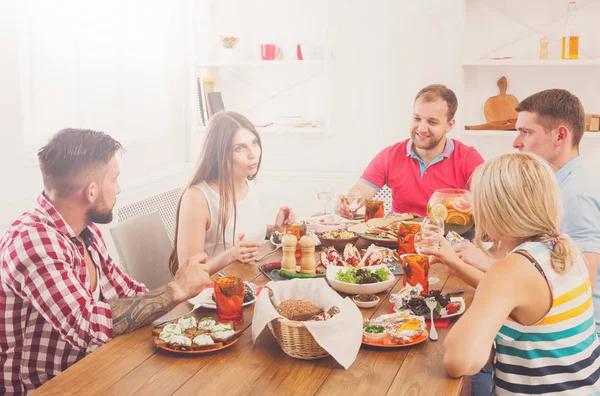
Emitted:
pixel 433 143
pixel 100 213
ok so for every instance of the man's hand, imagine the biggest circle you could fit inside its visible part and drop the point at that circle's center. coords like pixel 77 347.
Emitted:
pixel 342 210
pixel 191 278
pixel 473 256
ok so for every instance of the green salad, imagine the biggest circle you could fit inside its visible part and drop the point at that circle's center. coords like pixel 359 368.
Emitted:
pixel 361 275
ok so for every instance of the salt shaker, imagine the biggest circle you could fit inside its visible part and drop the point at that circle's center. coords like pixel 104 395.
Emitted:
pixel 288 261
pixel 543 48
pixel 307 263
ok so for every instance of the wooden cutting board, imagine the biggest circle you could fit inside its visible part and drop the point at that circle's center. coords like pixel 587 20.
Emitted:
pixel 500 107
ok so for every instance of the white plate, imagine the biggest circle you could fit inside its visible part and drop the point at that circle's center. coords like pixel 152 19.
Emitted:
pixel 443 313
pixel 204 299
pixel 351 288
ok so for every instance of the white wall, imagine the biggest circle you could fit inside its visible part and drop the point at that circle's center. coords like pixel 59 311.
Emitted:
pixel 73 64
pixel 378 55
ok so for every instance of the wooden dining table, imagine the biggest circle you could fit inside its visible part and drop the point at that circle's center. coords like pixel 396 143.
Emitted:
pixel 131 365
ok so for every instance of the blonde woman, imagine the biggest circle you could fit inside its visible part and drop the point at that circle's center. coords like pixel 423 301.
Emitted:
pixel 534 305
pixel 219 212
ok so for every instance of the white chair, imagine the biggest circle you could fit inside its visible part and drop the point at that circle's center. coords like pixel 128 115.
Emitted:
pixel 385 195
pixel 144 248
pixel 164 203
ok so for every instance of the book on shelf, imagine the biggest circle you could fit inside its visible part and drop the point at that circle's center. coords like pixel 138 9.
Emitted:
pixel 208 86
pixel 215 102
pixel 201 105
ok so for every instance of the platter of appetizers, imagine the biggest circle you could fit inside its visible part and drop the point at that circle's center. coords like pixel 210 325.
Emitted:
pixel 410 299
pixel 186 335
pixel 395 330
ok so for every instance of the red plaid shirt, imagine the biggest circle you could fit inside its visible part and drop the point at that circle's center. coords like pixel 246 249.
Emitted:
pixel 49 318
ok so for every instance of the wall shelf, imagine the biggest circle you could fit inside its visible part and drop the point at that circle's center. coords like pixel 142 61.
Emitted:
pixel 255 63
pixel 531 62
pixel 284 130
pixel 512 134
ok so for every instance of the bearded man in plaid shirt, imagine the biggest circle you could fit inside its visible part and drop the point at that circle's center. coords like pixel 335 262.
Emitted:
pixel 61 295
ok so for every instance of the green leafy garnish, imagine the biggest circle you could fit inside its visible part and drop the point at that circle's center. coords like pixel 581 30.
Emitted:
pixel 374 329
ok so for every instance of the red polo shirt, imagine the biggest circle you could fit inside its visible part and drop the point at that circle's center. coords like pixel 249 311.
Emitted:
pixel 412 182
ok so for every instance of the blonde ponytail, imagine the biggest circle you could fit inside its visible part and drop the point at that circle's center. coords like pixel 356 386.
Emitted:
pixel 563 251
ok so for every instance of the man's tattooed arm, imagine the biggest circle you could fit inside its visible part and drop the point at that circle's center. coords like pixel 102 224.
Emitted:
pixel 131 314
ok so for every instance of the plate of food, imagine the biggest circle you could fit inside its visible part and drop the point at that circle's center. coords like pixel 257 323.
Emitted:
pixel 186 335
pixel 395 330
pixel 328 222
pixel 386 235
pixel 207 297
pixel 338 238
pixel 409 299
pixel 360 279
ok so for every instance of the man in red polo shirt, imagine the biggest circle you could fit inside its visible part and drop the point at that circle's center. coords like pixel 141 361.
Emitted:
pixel 415 168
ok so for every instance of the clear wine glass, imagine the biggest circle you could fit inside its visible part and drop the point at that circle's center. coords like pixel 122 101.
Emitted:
pixel 352 200
pixel 432 225
pixel 431 230
pixel 325 194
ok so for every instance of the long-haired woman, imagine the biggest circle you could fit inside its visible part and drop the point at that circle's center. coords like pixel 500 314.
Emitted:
pixel 535 304
pixel 219 210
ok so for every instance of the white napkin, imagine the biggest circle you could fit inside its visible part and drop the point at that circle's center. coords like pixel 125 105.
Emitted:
pixel 340 336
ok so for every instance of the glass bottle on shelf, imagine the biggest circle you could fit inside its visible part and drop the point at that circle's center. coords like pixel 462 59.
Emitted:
pixel 570 38
pixel 544 48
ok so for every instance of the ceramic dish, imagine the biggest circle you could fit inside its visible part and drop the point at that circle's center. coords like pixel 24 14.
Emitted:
pixel 443 313
pixel 365 304
pixel 338 243
pixel 166 348
pixel 352 288
pixel 388 343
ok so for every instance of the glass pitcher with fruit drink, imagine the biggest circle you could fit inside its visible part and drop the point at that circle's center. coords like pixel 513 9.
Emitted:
pixel 453 207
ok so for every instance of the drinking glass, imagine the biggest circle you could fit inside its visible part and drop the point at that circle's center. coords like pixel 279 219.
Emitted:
pixel 229 297
pixel 373 209
pixel 325 194
pixel 406 236
pixel 416 271
pixel 433 225
pixel 432 229
pixel 352 200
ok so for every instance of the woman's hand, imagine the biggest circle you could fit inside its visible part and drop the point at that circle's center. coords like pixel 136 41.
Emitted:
pixel 244 251
pixel 445 254
pixel 474 256
pixel 285 217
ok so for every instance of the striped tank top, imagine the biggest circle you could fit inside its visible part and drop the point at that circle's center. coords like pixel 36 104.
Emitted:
pixel 559 355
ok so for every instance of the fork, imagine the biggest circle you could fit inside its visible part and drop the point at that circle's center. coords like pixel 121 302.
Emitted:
pixel 431 304
pixel 268 254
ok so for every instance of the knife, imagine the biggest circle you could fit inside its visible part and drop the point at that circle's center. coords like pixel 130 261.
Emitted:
pixel 455 293
pixel 265 273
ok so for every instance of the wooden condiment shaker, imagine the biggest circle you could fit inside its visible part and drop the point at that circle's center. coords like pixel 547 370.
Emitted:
pixel 307 263
pixel 288 261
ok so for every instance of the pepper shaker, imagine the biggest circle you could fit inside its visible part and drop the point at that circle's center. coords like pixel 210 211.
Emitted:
pixel 307 263
pixel 288 261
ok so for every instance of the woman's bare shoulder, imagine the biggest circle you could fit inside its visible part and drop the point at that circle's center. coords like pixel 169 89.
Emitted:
pixel 193 200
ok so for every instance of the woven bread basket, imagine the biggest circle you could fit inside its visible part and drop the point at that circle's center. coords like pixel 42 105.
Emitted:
pixel 295 339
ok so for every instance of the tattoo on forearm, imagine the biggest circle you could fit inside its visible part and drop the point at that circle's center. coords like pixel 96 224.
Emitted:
pixel 131 314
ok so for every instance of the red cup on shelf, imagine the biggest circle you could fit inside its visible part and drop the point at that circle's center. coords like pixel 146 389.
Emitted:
pixel 269 51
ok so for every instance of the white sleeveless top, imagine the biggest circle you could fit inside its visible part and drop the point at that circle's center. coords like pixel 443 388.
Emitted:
pixel 250 220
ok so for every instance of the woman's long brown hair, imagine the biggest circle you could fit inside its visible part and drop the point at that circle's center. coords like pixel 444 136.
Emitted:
pixel 215 164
